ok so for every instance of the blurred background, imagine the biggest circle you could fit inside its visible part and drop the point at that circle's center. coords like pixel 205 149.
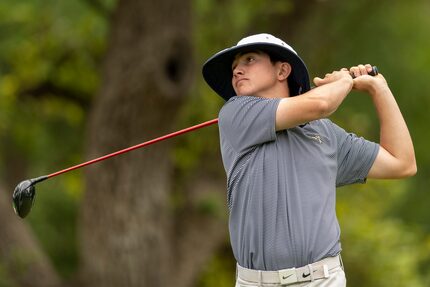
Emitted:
pixel 80 79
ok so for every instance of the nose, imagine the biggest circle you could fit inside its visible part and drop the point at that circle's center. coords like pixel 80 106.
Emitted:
pixel 237 70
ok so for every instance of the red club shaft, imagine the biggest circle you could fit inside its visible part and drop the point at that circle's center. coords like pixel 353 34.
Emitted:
pixel 180 132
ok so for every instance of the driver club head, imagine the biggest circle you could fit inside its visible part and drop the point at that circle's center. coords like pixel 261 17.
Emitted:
pixel 23 197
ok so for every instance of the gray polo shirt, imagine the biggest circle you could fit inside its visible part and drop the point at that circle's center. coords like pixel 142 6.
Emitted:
pixel 282 185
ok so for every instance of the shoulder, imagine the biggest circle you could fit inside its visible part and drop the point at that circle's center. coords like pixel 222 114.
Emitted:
pixel 241 101
pixel 244 105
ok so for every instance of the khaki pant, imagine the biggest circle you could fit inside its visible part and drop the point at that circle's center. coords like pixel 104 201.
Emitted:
pixel 325 273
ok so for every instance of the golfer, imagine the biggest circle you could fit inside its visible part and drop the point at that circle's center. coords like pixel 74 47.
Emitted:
pixel 284 159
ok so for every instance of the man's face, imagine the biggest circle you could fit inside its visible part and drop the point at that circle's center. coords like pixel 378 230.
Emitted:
pixel 253 74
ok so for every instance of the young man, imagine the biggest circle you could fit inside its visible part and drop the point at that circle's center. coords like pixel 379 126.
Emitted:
pixel 284 159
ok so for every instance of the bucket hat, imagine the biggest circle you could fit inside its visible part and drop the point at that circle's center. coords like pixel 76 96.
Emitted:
pixel 217 70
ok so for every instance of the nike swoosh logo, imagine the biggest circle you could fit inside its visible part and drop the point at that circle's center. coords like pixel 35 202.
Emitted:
pixel 307 275
pixel 286 277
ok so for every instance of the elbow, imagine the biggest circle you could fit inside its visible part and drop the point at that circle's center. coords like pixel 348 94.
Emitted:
pixel 409 170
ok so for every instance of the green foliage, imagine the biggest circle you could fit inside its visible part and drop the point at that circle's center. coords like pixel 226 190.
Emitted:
pixel 5 280
pixel 49 71
pixel 220 271
pixel 375 243
pixel 62 46
pixel 54 58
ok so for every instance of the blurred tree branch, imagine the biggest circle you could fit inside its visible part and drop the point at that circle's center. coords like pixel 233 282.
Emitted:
pixel 50 89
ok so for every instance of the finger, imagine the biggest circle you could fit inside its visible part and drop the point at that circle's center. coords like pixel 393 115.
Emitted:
pixel 362 69
pixel 343 70
pixel 369 68
pixel 354 72
pixel 318 81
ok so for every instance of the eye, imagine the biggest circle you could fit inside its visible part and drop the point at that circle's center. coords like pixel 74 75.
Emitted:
pixel 246 59
pixel 250 59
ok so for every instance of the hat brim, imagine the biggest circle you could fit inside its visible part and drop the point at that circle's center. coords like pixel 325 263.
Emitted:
pixel 218 73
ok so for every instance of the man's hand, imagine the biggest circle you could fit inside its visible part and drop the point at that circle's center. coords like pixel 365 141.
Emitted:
pixel 365 83
pixel 343 74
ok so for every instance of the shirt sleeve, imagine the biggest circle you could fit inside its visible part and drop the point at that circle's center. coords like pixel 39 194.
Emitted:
pixel 355 157
pixel 246 121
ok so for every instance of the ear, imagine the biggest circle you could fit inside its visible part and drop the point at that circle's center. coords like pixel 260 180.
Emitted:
pixel 284 71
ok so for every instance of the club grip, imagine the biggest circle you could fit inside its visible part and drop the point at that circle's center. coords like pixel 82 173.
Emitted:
pixel 374 72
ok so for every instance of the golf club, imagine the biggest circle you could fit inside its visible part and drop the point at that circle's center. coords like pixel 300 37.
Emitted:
pixel 25 192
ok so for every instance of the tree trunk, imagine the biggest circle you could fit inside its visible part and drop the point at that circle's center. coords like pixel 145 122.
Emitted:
pixel 127 225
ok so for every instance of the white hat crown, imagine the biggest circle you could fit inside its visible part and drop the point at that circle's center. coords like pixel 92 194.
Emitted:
pixel 264 38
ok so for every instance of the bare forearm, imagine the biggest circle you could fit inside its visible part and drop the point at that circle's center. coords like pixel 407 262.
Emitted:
pixel 396 157
pixel 318 103
pixel 394 133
